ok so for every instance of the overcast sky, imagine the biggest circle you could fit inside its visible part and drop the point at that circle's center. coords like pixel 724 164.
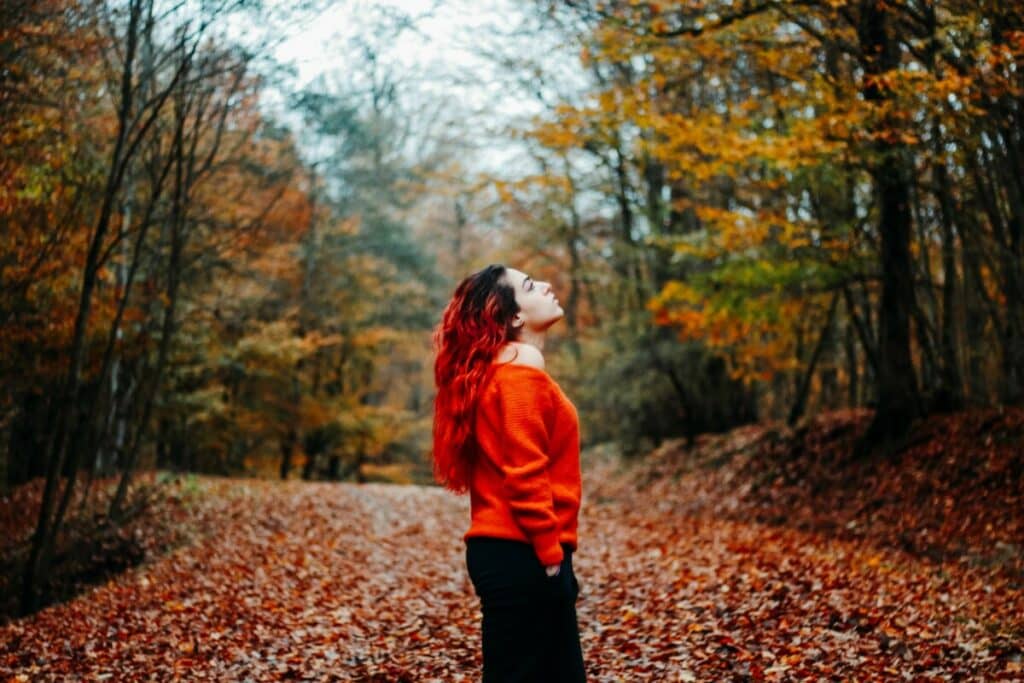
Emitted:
pixel 448 54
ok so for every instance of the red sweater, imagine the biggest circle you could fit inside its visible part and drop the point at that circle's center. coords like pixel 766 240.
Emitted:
pixel 525 481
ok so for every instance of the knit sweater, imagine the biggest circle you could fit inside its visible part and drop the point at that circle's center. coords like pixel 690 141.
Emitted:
pixel 525 481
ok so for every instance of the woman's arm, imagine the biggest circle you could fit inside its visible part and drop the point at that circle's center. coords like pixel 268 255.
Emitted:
pixel 524 463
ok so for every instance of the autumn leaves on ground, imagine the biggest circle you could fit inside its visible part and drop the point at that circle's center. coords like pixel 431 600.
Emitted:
pixel 705 563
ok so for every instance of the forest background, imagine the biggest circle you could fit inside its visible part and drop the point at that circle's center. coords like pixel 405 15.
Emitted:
pixel 753 210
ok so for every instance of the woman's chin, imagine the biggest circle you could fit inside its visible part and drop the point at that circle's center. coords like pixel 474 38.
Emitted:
pixel 552 320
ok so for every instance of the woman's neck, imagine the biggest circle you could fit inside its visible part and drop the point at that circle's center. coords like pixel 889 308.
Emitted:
pixel 533 338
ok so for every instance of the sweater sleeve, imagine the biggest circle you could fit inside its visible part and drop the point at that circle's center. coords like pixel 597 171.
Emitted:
pixel 524 464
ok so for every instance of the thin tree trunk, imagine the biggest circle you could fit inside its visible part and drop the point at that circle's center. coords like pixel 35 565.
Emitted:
pixel 42 540
pixel 177 222
pixel 166 336
pixel 575 264
pixel 862 329
pixel 287 447
pixel 852 367
pixel 974 319
pixel 952 397
pixel 800 404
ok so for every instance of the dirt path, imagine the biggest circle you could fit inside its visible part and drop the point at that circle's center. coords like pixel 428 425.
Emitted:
pixel 367 583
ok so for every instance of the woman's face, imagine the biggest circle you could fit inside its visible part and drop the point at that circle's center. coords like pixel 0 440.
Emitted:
pixel 538 305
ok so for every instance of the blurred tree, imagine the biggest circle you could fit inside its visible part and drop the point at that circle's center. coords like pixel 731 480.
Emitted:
pixel 140 122
pixel 785 171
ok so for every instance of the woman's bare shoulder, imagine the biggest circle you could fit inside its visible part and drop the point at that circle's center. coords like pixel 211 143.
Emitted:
pixel 516 353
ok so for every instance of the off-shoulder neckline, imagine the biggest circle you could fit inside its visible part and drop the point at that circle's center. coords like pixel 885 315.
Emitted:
pixel 521 365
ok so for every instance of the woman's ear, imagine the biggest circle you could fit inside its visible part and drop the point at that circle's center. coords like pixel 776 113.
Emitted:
pixel 517 320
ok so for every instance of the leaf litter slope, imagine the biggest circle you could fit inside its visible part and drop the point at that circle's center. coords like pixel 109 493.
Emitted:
pixel 367 583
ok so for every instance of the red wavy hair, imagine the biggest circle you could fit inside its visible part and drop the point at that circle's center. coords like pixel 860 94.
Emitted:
pixel 475 324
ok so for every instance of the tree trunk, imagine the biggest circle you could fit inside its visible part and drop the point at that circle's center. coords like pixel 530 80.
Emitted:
pixel 309 467
pixel 896 381
pixel 287 448
pixel 166 336
pixel 177 221
pixel 800 404
pixel 852 367
pixel 975 319
pixel 573 239
pixel 951 395
pixel 43 538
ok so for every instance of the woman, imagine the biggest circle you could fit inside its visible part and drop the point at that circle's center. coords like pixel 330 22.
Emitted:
pixel 505 432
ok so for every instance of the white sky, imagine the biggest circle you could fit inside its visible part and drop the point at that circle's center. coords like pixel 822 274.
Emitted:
pixel 442 57
pixel 441 39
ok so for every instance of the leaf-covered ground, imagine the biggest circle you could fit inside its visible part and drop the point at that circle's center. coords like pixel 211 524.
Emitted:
pixel 687 571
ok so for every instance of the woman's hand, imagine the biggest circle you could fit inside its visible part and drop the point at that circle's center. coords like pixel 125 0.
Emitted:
pixel 552 569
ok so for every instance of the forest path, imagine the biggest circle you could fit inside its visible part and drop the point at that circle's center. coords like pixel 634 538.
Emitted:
pixel 309 581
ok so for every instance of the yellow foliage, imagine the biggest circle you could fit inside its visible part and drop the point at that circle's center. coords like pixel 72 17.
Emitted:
pixel 393 473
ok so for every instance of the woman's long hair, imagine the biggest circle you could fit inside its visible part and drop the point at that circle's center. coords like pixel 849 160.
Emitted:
pixel 476 323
